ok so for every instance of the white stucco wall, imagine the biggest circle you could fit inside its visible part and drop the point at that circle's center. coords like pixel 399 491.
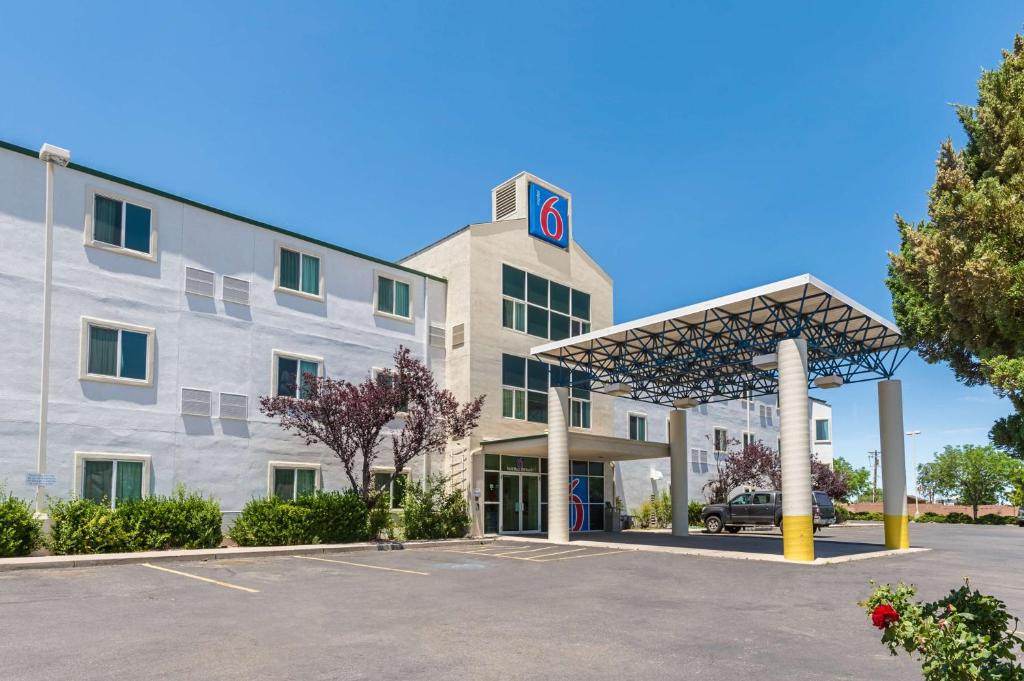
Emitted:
pixel 200 342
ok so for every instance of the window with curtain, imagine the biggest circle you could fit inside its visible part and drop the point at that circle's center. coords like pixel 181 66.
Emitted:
pixel 638 427
pixel 821 433
pixel 299 272
pixel 292 483
pixel 292 375
pixel 393 297
pixel 524 394
pixel 111 482
pixel 117 353
pixel 540 307
pixel 122 224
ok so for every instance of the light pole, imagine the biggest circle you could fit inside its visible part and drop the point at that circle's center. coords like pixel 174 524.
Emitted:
pixel 913 459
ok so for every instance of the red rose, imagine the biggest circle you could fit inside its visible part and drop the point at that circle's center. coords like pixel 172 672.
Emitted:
pixel 883 615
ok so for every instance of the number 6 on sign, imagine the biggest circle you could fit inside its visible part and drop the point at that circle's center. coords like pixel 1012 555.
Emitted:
pixel 549 216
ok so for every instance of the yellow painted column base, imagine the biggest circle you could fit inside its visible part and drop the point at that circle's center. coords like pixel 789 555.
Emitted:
pixel 897 532
pixel 797 537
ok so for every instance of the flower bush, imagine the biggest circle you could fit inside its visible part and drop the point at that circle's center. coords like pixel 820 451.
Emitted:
pixel 20 532
pixel 966 636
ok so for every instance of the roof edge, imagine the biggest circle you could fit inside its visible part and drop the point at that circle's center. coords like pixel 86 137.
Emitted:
pixel 224 213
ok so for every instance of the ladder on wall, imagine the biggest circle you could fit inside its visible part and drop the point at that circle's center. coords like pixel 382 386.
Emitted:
pixel 458 462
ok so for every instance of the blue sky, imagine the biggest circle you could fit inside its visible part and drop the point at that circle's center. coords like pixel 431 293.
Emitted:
pixel 709 147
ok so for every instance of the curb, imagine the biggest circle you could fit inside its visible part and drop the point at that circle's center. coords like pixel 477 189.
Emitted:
pixel 96 560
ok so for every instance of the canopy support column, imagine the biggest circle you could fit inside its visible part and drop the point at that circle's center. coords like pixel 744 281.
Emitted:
pixel 894 472
pixel 677 444
pixel 794 407
pixel 558 465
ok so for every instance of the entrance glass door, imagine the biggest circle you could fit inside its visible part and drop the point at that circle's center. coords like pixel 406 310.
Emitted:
pixel 520 503
pixel 531 503
pixel 510 506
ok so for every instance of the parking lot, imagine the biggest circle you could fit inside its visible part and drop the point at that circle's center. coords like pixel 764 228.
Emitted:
pixel 495 611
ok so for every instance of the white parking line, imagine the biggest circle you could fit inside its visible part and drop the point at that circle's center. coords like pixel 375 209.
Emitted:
pixel 202 579
pixel 556 553
pixel 543 559
pixel 372 567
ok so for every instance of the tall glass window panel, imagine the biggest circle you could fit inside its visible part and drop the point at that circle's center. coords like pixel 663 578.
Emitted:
pixel 537 407
pixel 401 299
pixel 133 355
pixel 287 376
pixel 821 429
pixel 305 481
pixel 385 295
pixel 536 321
pixel 289 269
pixel 129 480
pixel 559 326
pixel 560 298
pixel 537 375
pixel 513 371
pixel 306 368
pixel 106 225
pixel 581 305
pixel 137 227
pixel 102 351
pixel 310 274
pixel 97 483
pixel 284 483
pixel 536 290
pixel 513 403
pixel 513 282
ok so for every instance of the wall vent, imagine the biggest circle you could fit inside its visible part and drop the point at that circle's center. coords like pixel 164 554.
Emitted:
pixel 235 291
pixel 436 336
pixel 233 406
pixel 458 336
pixel 505 200
pixel 199 282
pixel 195 402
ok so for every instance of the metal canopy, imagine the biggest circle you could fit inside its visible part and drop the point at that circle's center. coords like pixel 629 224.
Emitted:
pixel 705 351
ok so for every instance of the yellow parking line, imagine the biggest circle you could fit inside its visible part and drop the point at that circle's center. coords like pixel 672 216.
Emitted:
pixel 201 579
pixel 556 553
pixel 372 567
pixel 543 559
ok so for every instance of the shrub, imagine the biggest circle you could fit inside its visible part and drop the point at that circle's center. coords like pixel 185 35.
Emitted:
pixel 434 510
pixel 183 520
pixel 334 517
pixel 659 509
pixel 842 514
pixel 693 511
pixel 930 517
pixel 320 518
pixel 991 519
pixel 380 521
pixel 271 522
pixel 83 526
pixel 965 636
pixel 20 532
pixel 957 517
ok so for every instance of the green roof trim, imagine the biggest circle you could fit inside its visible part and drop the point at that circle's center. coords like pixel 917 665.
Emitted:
pixel 234 216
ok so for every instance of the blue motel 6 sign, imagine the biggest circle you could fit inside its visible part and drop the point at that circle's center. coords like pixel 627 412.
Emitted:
pixel 549 215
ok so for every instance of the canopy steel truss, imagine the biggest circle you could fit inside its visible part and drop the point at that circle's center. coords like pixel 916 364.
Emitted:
pixel 705 351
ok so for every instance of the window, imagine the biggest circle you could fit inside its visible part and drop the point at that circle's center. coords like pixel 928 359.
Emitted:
pixel 290 373
pixel 821 433
pixel 766 413
pixel 741 499
pixel 393 297
pixel 579 395
pixel 299 272
pixel 542 308
pixel 748 439
pixel 395 488
pixel 290 481
pixel 593 473
pixel 524 393
pixel 699 460
pixel 638 427
pixel 122 225
pixel 721 440
pixel 112 478
pixel 115 352
pixel 762 498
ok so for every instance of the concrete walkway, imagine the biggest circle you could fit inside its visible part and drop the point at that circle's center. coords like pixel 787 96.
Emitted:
pixel 761 546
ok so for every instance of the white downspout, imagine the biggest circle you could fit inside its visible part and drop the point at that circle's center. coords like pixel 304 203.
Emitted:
pixel 50 155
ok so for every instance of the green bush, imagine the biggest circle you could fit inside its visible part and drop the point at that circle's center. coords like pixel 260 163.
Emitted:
pixel 83 526
pixel 842 514
pixel 334 517
pixel 992 519
pixel 434 510
pixel 20 533
pixel 659 511
pixel 183 520
pixel 930 517
pixel 957 517
pixel 380 520
pixel 693 510
pixel 321 518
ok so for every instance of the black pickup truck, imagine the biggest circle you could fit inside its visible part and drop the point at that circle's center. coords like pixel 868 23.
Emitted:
pixel 761 508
